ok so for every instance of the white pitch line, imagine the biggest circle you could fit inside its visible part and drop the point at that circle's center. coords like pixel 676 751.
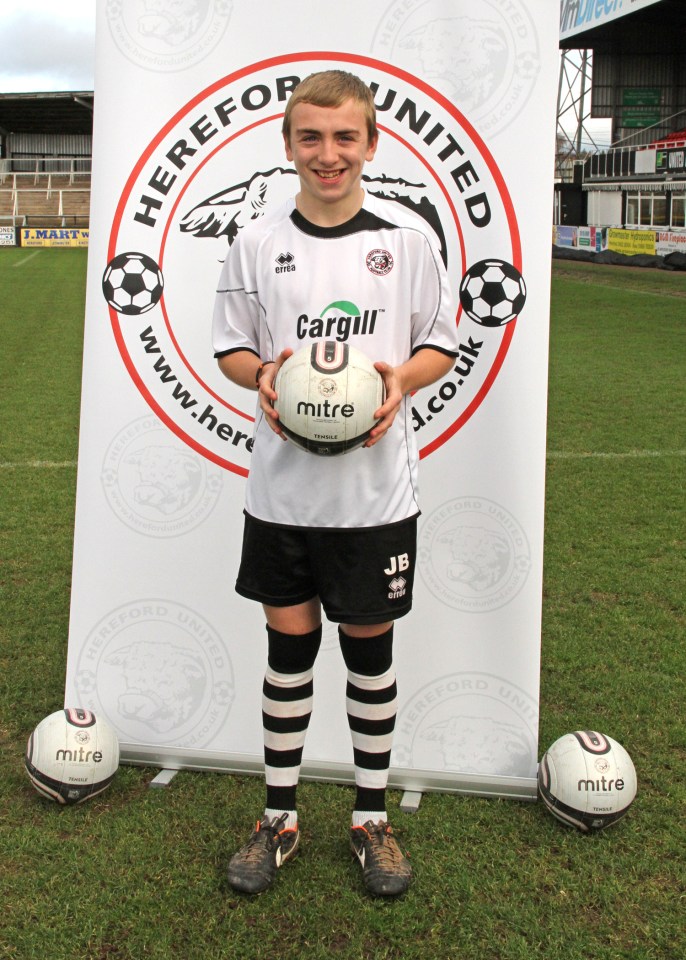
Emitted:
pixel 627 455
pixel 20 263
pixel 38 465
pixel 551 455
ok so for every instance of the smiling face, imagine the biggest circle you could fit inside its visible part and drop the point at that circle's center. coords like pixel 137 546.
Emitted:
pixel 329 147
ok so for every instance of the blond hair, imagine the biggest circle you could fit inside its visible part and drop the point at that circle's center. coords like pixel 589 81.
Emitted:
pixel 331 88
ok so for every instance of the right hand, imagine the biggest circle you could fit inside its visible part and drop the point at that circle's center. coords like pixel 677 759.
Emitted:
pixel 266 393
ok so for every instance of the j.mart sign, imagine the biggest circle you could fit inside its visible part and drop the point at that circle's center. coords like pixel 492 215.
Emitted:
pixel 57 237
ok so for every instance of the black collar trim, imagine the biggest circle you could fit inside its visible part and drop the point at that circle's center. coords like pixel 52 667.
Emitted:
pixel 362 221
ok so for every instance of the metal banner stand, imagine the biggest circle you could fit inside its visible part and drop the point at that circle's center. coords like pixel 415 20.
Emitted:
pixel 410 801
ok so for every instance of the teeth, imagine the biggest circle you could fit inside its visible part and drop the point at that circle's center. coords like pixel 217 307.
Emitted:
pixel 328 174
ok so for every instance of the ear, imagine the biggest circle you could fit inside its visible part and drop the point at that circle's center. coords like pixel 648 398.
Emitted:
pixel 371 148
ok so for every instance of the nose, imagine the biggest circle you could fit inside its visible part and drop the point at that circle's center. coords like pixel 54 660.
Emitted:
pixel 328 152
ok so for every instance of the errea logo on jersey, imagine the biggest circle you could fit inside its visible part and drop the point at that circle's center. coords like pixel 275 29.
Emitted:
pixel 285 263
pixel 339 321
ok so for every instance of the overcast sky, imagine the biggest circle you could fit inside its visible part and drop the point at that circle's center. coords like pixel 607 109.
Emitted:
pixel 46 45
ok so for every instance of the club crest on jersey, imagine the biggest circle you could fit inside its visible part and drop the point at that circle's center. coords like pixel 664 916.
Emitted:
pixel 379 262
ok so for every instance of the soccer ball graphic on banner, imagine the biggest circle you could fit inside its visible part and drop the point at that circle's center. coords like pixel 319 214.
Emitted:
pixel 587 780
pixel 327 396
pixel 132 283
pixel 492 292
pixel 72 755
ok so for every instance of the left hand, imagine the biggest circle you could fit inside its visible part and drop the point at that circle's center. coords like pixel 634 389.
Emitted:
pixel 424 367
pixel 388 410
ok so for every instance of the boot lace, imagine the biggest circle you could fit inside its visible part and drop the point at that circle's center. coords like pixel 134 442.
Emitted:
pixel 265 837
pixel 384 846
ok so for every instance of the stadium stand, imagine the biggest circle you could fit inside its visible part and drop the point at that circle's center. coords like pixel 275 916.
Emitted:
pixel 45 159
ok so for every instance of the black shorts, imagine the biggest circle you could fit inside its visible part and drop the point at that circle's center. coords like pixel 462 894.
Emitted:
pixel 362 575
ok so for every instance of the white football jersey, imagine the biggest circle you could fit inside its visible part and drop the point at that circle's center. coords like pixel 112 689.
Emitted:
pixel 375 282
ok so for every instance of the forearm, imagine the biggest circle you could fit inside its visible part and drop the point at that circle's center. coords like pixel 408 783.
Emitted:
pixel 423 368
pixel 247 370
pixel 241 367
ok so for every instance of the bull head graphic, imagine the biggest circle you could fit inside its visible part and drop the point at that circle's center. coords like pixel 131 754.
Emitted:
pixel 226 213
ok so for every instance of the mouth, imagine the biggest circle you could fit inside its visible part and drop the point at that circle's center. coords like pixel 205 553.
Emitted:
pixel 329 174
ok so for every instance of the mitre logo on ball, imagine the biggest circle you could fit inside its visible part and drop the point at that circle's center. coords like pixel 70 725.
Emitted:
pixel 327 395
pixel 587 780
pixel 72 755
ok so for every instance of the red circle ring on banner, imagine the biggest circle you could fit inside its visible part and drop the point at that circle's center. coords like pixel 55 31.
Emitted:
pixel 334 57
pixel 199 168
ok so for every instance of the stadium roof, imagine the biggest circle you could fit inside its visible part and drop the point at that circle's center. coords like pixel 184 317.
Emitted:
pixel 666 17
pixel 46 112
pixel 677 138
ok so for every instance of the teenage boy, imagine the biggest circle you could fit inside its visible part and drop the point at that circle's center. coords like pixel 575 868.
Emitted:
pixel 319 531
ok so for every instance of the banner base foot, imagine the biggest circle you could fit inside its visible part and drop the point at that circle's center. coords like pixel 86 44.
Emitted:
pixel 410 801
pixel 163 779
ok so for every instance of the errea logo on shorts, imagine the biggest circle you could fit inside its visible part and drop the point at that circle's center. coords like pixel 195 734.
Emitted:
pixel 398 585
pixel 397 588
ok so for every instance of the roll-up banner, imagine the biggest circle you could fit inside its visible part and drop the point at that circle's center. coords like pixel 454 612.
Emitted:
pixel 188 151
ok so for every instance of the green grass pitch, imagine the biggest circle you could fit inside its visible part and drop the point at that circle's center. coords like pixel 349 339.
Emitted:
pixel 138 873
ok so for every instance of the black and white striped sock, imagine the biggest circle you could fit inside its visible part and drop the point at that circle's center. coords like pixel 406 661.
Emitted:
pixel 286 710
pixel 371 704
pixel 287 694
